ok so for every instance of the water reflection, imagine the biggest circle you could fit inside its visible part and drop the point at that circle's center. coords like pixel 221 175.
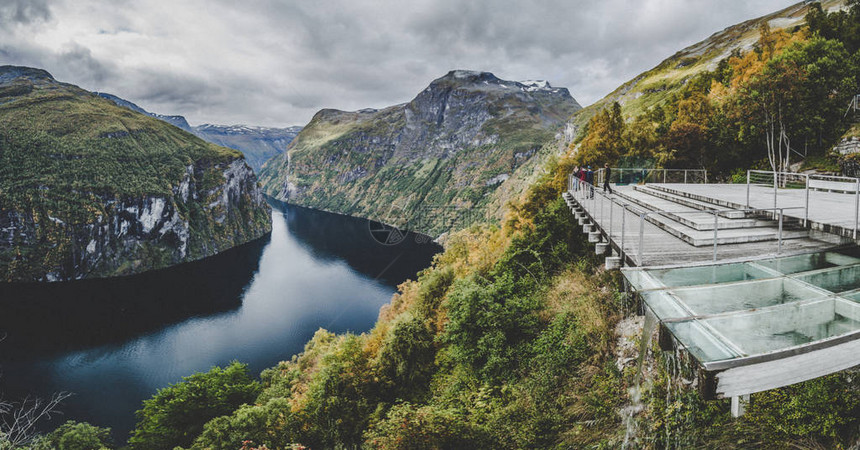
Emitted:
pixel 114 343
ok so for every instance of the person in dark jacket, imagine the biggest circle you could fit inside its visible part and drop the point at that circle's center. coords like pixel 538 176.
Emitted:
pixel 589 179
pixel 606 173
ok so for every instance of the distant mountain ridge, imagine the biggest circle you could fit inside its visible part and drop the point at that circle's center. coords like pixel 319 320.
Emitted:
pixel 458 147
pixel 89 189
pixel 258 144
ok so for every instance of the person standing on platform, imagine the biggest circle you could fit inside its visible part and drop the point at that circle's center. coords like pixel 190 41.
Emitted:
pixel 606 173
pixel 582 173
pixel 589 180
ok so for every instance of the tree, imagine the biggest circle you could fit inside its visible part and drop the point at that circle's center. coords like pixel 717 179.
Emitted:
pixel 769 106
pixel 175 415
pixel 604 142
pixel 76 436
pixel 687 136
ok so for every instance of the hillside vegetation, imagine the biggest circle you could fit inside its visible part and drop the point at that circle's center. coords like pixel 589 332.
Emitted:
pixel 435 164
pixel 91 189
pixel 516 338
pixel 762 94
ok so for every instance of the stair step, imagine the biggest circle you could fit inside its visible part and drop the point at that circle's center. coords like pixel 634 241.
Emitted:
pixel 699 198
pixel 698 238
pixel 694 218
pixel 696 227
pixel 695 203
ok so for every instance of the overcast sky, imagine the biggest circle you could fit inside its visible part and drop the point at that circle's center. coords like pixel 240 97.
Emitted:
pixel 275 63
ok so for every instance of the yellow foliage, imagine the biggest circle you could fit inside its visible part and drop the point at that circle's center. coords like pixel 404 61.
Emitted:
pixel 752 63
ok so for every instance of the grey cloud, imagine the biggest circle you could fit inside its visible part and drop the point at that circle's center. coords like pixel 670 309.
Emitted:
pixel 276 62
pixel 23 12
pixel 78 63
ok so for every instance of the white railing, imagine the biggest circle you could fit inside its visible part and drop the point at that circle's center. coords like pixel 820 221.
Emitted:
pixel 796 190
pixel 641 175
pixel 585 192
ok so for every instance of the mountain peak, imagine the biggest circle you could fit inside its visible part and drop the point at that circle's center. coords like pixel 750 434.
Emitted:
pixel 473 79
pixel 10 73
pixel 470 76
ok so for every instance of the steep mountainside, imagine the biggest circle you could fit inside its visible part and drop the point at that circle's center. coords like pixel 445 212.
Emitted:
pixel 656 85
pixel 177 121
pixel 89 189
pixel 426 164
pixel 258 144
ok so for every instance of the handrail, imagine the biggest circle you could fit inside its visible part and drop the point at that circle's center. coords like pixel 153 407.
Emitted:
pixel 643 174
pixel 587 191
pixel 808 182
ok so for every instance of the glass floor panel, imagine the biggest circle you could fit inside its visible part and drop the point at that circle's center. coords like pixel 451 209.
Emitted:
pixel 813 261
pixel 716 299
pixel 700 341
pixel 735 310
pixel 723 273
pixel 788 326
pixel 838 279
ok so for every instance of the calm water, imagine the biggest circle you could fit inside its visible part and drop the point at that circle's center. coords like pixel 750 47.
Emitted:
pixel 114 343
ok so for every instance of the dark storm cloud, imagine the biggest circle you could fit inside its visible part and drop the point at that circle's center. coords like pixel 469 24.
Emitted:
pixel 78 63
pixel 276 62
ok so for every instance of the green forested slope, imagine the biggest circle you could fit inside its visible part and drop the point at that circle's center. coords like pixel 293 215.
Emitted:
pixel 91 189
pixel 516 338
pixel 428 163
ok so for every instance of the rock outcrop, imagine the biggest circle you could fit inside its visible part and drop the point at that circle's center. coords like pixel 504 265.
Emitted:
pixel 89 189
pixel 429 164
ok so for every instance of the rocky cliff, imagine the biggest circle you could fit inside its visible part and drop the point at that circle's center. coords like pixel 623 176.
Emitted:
pixel 258 144
pixel 433 164
pixel 89 189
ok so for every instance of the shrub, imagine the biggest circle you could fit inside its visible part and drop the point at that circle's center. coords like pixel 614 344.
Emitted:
pixel 427 427
pixel 272 425
pixel 175 415
pixel 76 436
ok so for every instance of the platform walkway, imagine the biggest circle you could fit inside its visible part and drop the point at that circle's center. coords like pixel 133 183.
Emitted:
pixel 676 230
pixel 756 284
pixel 829 210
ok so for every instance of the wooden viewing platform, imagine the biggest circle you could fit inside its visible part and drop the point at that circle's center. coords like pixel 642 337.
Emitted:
pixel 759 283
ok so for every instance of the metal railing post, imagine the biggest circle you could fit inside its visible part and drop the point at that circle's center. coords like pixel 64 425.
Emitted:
pixel 806 207
pixel 856 205
pixel 611 203
pixel 641 237
pixel 664 176
pixel 716 227
pixel 601 206
pixel 706 177
pixel 623 228
pixel 685 176
pixel 748 188
pixel 775 174
pixel 779 244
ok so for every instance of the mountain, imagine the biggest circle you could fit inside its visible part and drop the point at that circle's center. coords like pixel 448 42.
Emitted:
pixel 433 164
pixel 90 189
pixel 258 144
pixel 177 121
pixel 654 86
